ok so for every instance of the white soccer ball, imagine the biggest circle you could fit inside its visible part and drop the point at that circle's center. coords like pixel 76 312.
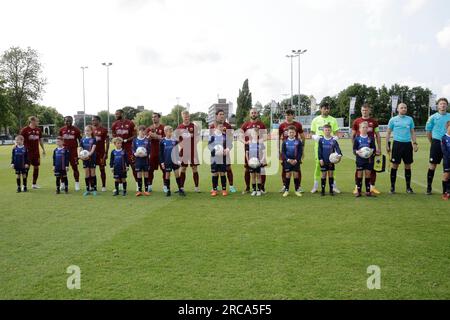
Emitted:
pixel 365 152
pixel 84 154
pixel 335 158
pixel 141 152
pixel 218 149
pixel 253 163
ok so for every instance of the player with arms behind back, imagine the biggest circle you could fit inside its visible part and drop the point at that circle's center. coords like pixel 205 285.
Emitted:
pixel 61 157
pixel 326 146
pixel 20 162
pixel 364 164
pixel 292 153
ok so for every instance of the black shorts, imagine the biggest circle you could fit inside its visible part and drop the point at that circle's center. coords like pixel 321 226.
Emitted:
pixel 217 167
pixel 327 167
pixel 436 152
pixel 21 171
pixel 254 170
pixel 287 167
pixel 141 165
pixel 364 165
pixel 120 174
pixel 446 165
pixel 60 173
pixel 90 163
pixel 402 151
pixel 171 167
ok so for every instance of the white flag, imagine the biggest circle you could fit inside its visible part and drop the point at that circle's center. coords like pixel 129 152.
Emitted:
pixel 394 103
pixel 352 105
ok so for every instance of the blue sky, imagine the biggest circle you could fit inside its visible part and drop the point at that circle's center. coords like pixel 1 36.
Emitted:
pixel 198 49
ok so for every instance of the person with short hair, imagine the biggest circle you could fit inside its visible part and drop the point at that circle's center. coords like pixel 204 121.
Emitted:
pixel 155 133
pixel 364 166
pixel 317 126
pixel 118 162
pixel 283 133
pixel 228 130
pixel 219 145
pixel 402 129
pixel 188 134
pixel 20 162
pixel 142 162
pixel 253 123
pixel 72 136
pixel 61 157
pixel 436 130
pixel 373 132
pixel 102 148
pixel 169 158
pixel 32 135
pixel 292 153
pixel 326 146
pixel 255 149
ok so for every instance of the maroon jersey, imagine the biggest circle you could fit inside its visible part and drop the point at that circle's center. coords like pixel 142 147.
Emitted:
pixel 188 136
pixel 31 140
pixel 251 125
pixel 154 142
pixel 373 125
pixel 101 135
pixel 71 135
pixel 226 126
pixel 283 129
pixel 125 130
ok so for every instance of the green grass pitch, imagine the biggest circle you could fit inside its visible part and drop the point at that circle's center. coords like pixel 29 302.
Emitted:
pixel 237 247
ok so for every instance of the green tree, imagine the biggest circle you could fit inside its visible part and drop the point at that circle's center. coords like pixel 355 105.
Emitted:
pixel 48 115
pixel 104 117
pixel 363 94
pixel 332 101
pixel 6 115
pixel 201 117
pixel 22 73
pixel 244 103
pixel 130 112
pixel 143 118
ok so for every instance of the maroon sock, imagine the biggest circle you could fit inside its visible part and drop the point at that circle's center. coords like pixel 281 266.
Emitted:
pixel 230 176
pixel 182 178
pixel 151 175
pixel 247 179
pixel 373 177
pixel 35 174
pixel 76 173
pixel 103 175
pixel 196 179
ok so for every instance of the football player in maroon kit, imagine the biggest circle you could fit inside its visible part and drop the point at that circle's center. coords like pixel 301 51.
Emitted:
pixel 374 133
pixel 254 122
pixel 102 147
pixel 125 129
pixel 283 130
pixel 188 134
pixel 71 136
pixel 155 133
pixel 228 130
pixel 32 140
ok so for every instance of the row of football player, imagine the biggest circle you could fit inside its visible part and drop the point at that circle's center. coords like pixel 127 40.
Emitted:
pixel 329 154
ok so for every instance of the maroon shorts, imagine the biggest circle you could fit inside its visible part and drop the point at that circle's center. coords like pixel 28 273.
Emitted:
pixel 99 159
pixel 35 159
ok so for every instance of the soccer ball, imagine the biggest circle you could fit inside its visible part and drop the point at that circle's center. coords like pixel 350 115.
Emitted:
pixel 335 158
pixel 253 163
pixel 84 154
pixel 141 152
pixel 365 152
pixel 218 149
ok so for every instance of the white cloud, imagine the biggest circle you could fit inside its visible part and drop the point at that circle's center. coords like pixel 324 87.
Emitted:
pixel 446 90
pixel 443 37
pixel 411 7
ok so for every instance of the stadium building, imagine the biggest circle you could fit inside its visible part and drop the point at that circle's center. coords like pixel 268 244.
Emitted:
pixel 227 107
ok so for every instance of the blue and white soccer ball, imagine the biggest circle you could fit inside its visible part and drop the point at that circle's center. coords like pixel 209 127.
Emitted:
pixel 141 152
pixel 84 155
pixel 335 158
pixel 365 152
pixel 253 163
pixel 218 150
